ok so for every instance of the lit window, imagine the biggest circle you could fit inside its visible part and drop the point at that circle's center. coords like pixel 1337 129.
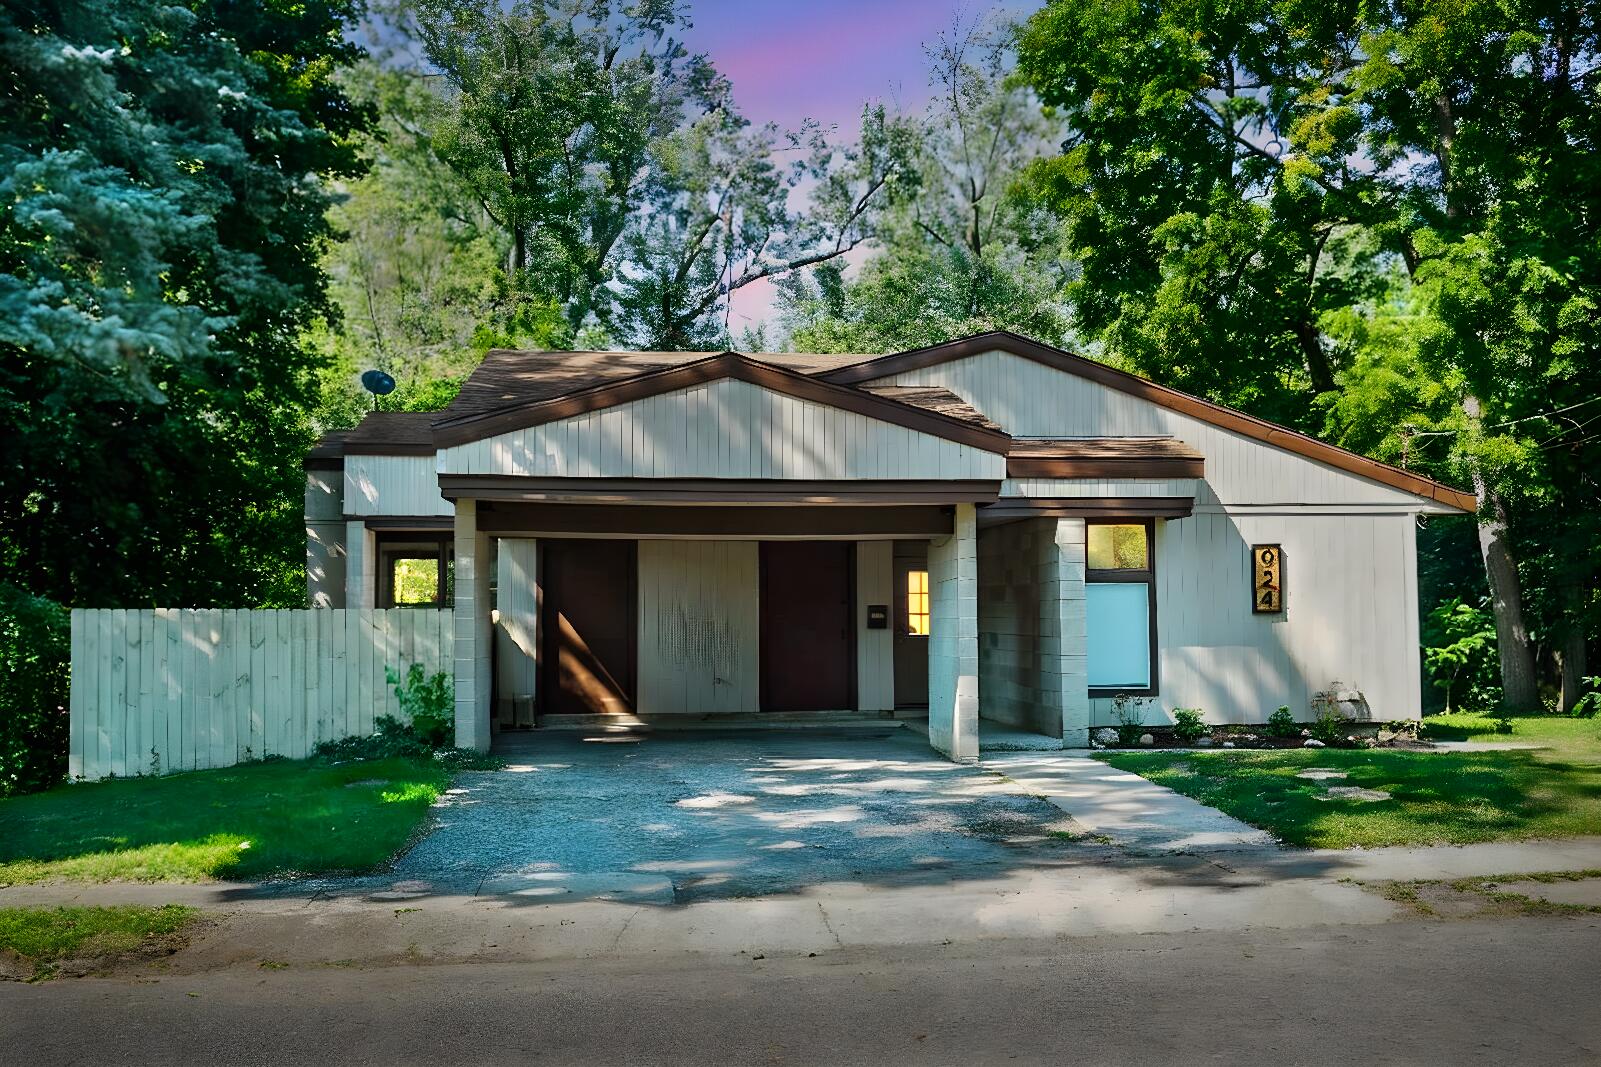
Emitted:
pixel 1117 547
pixel 917 603
pixel 1120 608
pixel 415 570
pixel 416 581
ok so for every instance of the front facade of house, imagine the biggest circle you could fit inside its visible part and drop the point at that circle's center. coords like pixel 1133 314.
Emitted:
pixel 989 528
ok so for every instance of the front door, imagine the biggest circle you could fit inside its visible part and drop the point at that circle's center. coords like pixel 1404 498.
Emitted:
pixel 808 658
pixel 588 627
pixel 911 620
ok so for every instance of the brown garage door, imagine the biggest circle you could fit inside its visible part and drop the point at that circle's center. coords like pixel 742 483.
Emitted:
pixel 807 638
pixel 588 626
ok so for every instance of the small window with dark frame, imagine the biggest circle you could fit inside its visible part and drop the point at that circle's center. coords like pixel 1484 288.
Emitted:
pixel 415 571
pixel 1120 608
pixel 917 603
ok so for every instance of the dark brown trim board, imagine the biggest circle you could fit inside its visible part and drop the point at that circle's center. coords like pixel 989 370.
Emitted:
pixel 376 448
pixel 1216 414
pixel 1089 507
pixel 464 429
pixel 510 487
pixel 404 522
pixel 912 521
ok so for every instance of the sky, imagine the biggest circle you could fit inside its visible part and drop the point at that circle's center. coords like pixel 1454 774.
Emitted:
pixel 795 59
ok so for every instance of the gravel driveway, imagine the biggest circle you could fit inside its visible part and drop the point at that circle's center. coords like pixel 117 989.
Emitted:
pixel 673 818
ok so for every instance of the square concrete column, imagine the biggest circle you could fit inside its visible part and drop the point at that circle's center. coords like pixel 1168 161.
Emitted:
pixel 1064 671
pixel 474 684
pixel 953 639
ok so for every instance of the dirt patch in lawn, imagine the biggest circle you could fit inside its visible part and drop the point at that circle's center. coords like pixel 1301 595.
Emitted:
pixel 1571 893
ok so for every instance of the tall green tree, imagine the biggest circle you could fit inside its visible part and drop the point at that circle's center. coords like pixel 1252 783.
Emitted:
pixel 628 189
pixel 418 278
pixel 1238 178
pixel 962 254
pixel 163 168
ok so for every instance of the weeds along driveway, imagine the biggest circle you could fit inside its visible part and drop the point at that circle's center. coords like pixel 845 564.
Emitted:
pixel 676 818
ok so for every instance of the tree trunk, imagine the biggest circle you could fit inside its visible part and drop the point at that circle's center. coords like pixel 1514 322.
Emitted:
pixel 1572 654
pixel 1572 658
pixel 1518 689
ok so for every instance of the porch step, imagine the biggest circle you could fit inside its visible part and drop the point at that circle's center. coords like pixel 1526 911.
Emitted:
pixel 720 721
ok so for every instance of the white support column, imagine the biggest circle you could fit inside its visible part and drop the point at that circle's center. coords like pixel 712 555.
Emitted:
pixel 1064 671
pixel 361 566
pixel 473 632
pixel 516 636
pixel 953 640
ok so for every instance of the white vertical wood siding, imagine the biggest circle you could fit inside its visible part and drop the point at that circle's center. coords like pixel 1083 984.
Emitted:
pixel 1350 615
pixel 722 429
pixel 875 649
pixel 1029 399
pixel 699 620
pixel 516 630
pixel 325 539
pixel 393 485
pixel 162 690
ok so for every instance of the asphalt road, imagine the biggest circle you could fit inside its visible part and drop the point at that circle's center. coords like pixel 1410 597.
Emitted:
pixel 1504 991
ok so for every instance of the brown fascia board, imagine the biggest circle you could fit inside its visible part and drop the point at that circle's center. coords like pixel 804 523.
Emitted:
pixel 730 491
pixel 1091 507
pixel 379 448
pixel 733 365
pixel 1227 418
pixel 1105 467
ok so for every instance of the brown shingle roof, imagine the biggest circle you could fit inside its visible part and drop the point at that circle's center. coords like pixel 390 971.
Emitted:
pixel 1103 448
pixel 508 377
pixel 392 433
pixel 931 398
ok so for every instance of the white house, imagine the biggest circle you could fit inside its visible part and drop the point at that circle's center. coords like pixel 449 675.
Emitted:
pixel 989 528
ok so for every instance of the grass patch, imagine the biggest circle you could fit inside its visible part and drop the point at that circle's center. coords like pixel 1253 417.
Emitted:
pixel 281 817
pixel 44 936
pixel 1437 798
pixel 1483 895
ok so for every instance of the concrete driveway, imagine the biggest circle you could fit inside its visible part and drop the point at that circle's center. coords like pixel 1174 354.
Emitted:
pixel 677 818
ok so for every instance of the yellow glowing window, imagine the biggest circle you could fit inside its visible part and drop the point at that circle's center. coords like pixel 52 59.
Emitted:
pixel 1117 547
pixel 416 581
pixel 917 603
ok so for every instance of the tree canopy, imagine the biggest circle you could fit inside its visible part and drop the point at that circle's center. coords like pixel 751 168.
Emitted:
pixel 164 172
pixel 1372 220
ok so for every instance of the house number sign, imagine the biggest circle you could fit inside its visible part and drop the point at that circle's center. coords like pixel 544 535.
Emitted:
pixel 1267 579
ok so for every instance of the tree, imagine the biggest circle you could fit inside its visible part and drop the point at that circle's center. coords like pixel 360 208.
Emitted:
pixel 1236 180
pixel 629 190
pixel 163 170
pixel 962 255
pixel 418 279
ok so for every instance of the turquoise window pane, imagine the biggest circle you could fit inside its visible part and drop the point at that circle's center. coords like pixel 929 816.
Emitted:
pixel 1119 625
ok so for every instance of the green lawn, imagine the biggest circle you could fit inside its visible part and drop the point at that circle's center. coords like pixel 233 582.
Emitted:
pixel 248 822
pixel 43 936
pixel 1438 798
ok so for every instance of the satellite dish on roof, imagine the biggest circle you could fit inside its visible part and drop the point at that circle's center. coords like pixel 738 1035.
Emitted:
pixel 377 382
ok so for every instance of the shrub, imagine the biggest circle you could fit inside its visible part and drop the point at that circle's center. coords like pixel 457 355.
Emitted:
pixel 1188 726
pixel 1590 702
pixel 429 727
pixel 35 659
pixel 429 701
pixel 1130 713
pixel 1327 725
pixel 1282 723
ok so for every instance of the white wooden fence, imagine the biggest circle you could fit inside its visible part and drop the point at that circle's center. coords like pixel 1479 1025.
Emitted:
pixel 166 689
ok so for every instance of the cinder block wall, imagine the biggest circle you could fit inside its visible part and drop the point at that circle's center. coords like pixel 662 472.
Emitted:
pixel 1017 563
